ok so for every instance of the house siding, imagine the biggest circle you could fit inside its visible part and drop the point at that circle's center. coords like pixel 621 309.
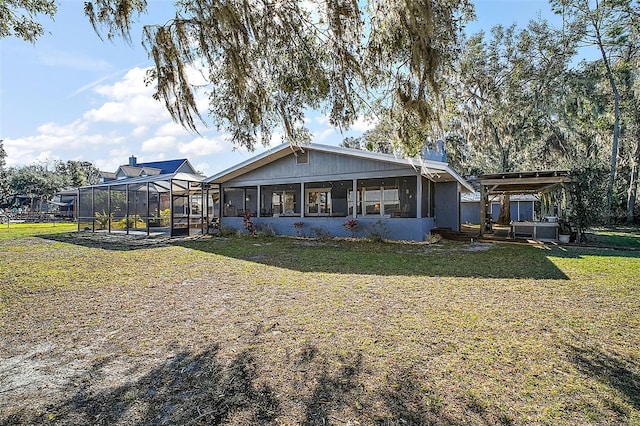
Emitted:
pixel 447 205
pixel 321 166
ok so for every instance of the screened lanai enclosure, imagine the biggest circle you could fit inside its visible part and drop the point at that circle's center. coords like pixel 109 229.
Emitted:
pixel 177 204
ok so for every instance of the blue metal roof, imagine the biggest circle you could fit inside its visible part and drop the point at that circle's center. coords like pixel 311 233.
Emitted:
pixel 166 167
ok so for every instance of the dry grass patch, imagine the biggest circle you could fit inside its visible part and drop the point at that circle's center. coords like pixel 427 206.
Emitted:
pixel 280 331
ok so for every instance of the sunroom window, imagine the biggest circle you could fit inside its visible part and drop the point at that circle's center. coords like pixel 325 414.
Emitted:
pixel 318 202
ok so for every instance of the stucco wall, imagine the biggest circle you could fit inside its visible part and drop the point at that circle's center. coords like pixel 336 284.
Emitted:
pixel 389 228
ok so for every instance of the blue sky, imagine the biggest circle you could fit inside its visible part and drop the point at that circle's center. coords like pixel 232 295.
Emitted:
pixel 72 96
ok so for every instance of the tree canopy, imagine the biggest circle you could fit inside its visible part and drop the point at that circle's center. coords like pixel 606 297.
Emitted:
pixel 18 18
pixel 266 63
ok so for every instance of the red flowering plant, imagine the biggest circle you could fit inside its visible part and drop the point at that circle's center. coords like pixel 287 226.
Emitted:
pixel 248 223
pixel 351 225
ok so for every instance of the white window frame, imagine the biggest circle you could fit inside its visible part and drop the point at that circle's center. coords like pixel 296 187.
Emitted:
pixel 308 191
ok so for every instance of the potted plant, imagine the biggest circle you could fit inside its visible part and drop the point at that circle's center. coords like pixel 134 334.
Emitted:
pixel 564 232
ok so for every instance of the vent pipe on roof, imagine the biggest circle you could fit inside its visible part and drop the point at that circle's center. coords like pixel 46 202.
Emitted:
pixel 133 161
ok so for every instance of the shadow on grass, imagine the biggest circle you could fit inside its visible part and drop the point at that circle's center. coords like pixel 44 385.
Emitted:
pixel 200 389
pixel 188 388
pixel 106 241
pixel 388 259
pixel 447 259
pixel 612 369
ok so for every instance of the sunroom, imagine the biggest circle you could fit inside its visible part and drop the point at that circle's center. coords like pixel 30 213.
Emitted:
pixel 173 204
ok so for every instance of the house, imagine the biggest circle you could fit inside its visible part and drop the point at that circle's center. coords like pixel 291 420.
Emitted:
pixel 135 169
pixel 313 189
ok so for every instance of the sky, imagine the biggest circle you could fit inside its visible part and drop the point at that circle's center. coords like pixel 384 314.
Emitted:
pixel 72 96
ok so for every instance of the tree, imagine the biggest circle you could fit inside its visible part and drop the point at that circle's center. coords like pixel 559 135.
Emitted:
pixel 78 173
pixel 18 18
pixel 3 155
pixel 4 175
pixel 267 62
pixel 503 92
pixel 36 182
pixel 606 25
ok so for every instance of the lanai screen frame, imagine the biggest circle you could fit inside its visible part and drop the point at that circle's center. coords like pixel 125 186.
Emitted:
pixel 145 202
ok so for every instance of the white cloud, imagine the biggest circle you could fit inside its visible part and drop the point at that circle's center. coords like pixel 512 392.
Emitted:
pixel 203 146
pixel 139 131
pixel 172 129
pixel 159 144
pixel 325 135
pixel 132 84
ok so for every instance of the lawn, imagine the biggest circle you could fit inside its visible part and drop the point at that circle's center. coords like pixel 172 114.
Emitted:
pixel 99 329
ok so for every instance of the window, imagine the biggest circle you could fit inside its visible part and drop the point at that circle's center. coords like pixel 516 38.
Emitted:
pixel 318 202
pixel 283 203
pixel 372 201
pixel 394 197
pixel 390 202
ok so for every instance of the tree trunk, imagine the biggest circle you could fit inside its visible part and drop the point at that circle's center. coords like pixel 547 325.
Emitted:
pixel 633 180
pixel 505 209
pixel 616 124
pixel 633 187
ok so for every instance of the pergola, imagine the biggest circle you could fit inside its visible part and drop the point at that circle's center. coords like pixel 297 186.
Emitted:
pixel 178 204
pixel 535 182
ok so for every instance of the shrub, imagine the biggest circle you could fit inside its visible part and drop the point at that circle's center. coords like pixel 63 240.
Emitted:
pixel 379 231
pixel 165 217
pixel 321 233
pixel 103 219
pixel 299 228
pixel 267 230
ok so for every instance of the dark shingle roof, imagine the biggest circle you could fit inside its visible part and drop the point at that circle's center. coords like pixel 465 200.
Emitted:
pixel 166 167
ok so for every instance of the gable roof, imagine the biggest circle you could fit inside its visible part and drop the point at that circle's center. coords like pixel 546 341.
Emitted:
pixel 168 166
pixel 107 175
pixel 433 170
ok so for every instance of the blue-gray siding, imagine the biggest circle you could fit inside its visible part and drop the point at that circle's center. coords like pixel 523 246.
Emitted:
pixel 447 205
pixel 323 166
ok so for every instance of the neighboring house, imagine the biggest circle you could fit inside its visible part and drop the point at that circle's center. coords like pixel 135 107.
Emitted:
pixel 104 177
pixel 312 190
pixel 135 169
pixel 522 207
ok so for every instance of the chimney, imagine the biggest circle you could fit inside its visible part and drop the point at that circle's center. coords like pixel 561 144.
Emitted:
pixel 133 161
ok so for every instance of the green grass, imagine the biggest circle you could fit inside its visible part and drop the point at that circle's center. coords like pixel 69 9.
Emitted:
pixel 293 331
pixel 16 230
pixel 626 237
